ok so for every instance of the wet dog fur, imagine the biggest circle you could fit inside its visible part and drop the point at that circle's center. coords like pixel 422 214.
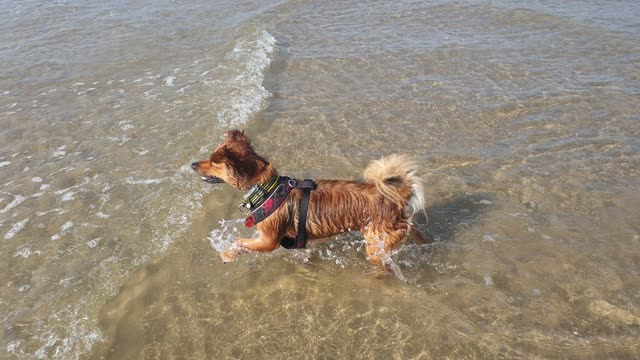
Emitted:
pixel 381 207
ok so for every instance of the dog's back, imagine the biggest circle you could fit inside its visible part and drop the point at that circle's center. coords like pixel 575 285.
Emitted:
pixel 381 207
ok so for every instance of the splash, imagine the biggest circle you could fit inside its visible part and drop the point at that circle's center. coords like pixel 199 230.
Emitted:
pixel 344 250
pixel 222 239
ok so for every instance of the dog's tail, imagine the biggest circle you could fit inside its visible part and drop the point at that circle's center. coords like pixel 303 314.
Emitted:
pixel 396 178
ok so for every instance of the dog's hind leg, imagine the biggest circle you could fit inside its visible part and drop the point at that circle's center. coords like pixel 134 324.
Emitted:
pixel 380 244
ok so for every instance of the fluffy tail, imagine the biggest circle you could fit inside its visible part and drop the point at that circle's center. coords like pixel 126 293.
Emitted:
pixel 396 179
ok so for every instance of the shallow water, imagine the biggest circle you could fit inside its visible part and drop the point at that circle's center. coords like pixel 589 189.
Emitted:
pixel 524 117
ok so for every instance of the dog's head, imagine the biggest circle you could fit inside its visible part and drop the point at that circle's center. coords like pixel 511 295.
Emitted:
pixel 235 162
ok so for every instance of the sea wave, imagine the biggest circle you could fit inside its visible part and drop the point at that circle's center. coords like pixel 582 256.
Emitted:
pixel 246 65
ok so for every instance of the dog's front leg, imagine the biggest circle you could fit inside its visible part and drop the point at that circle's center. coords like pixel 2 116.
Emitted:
pixel 262 244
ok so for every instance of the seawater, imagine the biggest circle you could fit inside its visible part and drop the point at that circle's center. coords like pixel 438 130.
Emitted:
pixel 522 115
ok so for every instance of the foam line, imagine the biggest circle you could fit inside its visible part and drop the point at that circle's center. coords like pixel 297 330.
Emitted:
pixel 248 60
pixel 16 229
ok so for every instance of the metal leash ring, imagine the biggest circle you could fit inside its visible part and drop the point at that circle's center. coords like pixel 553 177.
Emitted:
pixel 243 209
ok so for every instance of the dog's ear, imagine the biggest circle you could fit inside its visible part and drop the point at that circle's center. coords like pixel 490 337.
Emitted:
pixel 242 167
pixel 236 135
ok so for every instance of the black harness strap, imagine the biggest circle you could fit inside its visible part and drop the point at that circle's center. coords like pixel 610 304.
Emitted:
pixel 306 186
pixel 301 238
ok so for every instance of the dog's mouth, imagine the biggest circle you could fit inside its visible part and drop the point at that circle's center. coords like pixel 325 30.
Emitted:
pixel 212 179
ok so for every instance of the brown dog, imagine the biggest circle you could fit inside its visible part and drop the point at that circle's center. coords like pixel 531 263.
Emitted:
pixel 381 208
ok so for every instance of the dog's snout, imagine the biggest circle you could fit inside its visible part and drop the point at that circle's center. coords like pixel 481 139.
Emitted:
pixel 194 166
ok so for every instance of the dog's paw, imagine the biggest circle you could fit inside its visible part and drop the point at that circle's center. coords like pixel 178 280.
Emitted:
pixel 228 256
pixel 231 253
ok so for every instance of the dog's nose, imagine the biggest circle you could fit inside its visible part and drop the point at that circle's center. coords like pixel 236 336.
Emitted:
pixel 194 166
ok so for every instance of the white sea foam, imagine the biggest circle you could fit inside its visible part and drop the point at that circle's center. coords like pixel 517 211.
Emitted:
pixel 93 243
pixel 68 196
pixel 24 252
pixel 16 201
pixel 66 282
pixel 48 92
pixel 132 181
pixel 182 89
pixel 118 140
pixel 81 338
pixel 63 230
pixel 169 80
pixel 249 59
pixel 13 348
pixel 5 163
pixel 140 261
pixel 488 280
pixel 66 226
pixel 62 191
pixel 125 125
pixel 150 93
pixel 16 228
pixel 141 152
pixel 488 238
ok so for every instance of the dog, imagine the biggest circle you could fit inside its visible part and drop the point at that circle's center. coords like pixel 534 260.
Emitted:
pixel 381 207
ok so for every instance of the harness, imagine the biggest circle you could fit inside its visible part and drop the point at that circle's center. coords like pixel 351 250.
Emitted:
pixel 263 199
